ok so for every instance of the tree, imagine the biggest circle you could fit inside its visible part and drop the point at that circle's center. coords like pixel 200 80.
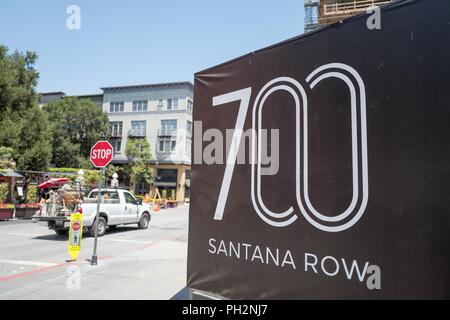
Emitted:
pixel 111 169
pixel 6 159
pixel 24 127
pixel 35 152
pixel 76 125
pixel 18 80
pixel 139 157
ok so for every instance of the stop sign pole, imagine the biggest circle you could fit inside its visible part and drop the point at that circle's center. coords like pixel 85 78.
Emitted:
pixel 101 156
pixel 94 254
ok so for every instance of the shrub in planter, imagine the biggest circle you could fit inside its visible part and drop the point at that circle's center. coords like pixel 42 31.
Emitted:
pixel 31 194
pixel 29 208
pixel 4 190
pixel 6 211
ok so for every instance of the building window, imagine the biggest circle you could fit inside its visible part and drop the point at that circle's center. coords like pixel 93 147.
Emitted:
pixel 172 104
pixel 188 137
pixel 139 106
pixel 168 128
pixel 117 145
pixel 160 105
pixel 188 145
pixel 190 105
pixel 167 144
pixel 167 175
pixel 115 129
pixel 116 107
pixel 168 136
pixel 138 128
pixel 189 128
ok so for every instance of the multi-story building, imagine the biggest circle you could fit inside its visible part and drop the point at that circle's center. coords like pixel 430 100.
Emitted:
pixel 96 98
pixel 161 113
pixel 49 97
pixel 55 96
pixel 319 13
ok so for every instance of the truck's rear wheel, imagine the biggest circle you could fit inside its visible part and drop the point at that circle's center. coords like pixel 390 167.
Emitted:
pixel 144 222
pixel 62 232
pixel 101 228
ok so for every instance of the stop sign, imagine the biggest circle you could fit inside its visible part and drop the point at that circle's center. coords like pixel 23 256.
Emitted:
pixel 76 226
pixel 101 154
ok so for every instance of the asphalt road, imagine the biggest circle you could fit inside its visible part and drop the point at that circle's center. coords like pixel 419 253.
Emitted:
pixel 133 264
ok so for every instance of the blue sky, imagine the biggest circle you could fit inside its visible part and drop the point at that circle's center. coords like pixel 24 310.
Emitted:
pixel 141 41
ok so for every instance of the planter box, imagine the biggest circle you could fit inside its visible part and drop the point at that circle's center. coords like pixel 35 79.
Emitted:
pixel 6 214
pixel 25 213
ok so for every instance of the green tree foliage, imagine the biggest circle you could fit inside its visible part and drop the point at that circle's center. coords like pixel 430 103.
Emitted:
pixel 139 156
pixel 76 125
pixel 24 127
pixel 111 169
pixel 4 190
pixel 18 80
pixel 91 178
pixel 35 151
pixel 6 159
pixel 31 196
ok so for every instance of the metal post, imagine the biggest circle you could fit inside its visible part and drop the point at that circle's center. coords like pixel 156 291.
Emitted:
pixel 99 194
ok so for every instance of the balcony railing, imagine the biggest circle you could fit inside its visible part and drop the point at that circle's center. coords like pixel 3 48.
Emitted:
pixel 351 7
pixel 115 134
pixel 136 133
pixel 167 133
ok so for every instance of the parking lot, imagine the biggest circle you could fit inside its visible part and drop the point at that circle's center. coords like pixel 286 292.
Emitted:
pixel 133 264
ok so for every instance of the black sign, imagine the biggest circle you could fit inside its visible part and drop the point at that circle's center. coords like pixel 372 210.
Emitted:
pixel 342 186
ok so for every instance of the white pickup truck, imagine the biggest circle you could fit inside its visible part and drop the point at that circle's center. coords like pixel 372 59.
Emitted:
pixel 117 207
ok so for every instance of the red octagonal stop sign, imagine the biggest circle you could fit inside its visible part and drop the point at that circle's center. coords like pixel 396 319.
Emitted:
pixel 76 226
pixel 101 154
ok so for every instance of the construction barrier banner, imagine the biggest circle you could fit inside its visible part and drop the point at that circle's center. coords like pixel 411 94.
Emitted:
pixel 321 165
pixel 75 235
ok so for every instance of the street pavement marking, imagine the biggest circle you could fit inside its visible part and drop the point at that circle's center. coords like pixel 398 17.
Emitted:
pixel 150 245
pixel 29 263
pixel 32 272
pixel 42 269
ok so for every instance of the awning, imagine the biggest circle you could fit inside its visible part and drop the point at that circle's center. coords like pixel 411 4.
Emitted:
pixel 54 182
pixel 10 174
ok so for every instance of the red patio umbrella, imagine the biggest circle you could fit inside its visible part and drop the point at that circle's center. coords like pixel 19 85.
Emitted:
pixel 54 182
